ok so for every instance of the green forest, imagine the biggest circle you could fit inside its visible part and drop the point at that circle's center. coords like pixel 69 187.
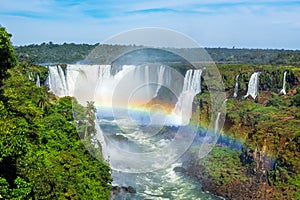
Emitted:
pixel 44 152
pixel 41 154
pixel 72 53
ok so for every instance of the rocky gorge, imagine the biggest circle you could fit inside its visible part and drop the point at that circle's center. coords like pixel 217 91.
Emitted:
pixel 266 165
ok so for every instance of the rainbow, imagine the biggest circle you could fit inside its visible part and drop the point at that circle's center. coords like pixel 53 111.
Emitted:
pixel 165 110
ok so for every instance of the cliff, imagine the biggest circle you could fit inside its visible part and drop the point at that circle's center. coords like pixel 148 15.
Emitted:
pixel 267 165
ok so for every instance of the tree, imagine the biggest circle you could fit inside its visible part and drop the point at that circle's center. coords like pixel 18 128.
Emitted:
pixel 7 57
pixel 41 155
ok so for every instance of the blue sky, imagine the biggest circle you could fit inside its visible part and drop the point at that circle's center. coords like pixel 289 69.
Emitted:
pixel 218 23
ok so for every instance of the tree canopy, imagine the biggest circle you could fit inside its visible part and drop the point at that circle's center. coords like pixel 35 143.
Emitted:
pixel 41 154
pixel 7 57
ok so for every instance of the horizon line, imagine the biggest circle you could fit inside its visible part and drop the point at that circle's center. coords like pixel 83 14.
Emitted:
pixel 204 47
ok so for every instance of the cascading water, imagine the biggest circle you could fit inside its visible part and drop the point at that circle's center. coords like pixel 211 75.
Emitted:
pixel 253 85
pixel 57 81
pixel 217 122
pixel 191 87
pixel 38 83
pixel 160 184
pixel 236 86
pixel 283 90
pixel 160 79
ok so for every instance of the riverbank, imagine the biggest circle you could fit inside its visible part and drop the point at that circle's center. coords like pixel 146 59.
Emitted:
pixel 221 174
pixel 267 165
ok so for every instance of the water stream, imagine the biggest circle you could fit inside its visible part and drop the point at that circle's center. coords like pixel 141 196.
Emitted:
pixel 253 85
pixel 129 122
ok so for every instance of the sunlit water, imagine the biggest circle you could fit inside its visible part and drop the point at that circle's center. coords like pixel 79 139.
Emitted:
pixel 160 184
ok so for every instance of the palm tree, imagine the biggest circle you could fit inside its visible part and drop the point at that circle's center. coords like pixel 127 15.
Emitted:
pixel 90 111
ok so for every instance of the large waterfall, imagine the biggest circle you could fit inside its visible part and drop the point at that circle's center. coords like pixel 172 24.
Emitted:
pixel 62 82
pixel 191 87
pixel 283 90
pixel 253 85
pixel 236 86
pixel 137 89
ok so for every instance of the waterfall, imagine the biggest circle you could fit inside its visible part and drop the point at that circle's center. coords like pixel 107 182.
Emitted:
pixel 160 81
pixel 30 74
pixel 217 122
pixel 38 83
pixel 253 85
pixel 62 81
pixel 57 81
pixel 191 87
pixel 236 87
pixel 283 90
pixel 135 85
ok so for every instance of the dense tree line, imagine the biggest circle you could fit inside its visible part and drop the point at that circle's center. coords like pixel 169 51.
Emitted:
pixel 72 53
pixel 41 153
pixel 53 53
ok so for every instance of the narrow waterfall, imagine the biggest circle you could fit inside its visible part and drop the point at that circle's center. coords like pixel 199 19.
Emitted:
pixel 57 81
pixel 160 81
pixel 30 76
pixel 253 85
pixel 38 83
pixel 217 122
pixel 283 90
pixel 236 87
pixel 191 87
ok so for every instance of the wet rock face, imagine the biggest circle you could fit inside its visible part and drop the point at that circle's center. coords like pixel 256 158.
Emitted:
pixel 180 170
pixel 259 163
pixel 234 189
pixel 117 190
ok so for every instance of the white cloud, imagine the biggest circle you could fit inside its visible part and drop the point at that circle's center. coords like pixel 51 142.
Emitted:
pixel 244 24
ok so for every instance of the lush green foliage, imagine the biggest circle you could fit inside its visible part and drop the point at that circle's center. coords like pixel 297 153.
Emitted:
pixel 53 53
pixel 71 53
pixel 268 126
pixel 223 164
pixel 7 57
pixel 41 154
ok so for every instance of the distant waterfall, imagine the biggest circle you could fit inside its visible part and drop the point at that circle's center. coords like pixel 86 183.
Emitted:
pixel 30 74
pixel 62 82
pixel 32 78
pixel 191 87
pixel 283 90
pixel 160 79
pixel 236 87
pixel 38 82
pixel 253 85
pixel 217 122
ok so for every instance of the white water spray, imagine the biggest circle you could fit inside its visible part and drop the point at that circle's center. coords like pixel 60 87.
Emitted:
pixel 217 123
pixel 160 79
pixel 253 85
pixel 38 83
pixel 236 87
pixel 283 90
pixel 191 87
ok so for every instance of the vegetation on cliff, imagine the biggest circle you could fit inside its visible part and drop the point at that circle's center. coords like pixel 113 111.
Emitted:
pixel 41 154
pixel 267 166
